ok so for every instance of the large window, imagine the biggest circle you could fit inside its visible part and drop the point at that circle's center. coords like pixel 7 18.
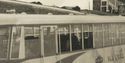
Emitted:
pixel 4 41
pixel 122 33
pixel 106 35
pixel 87 36
pixel 76 37
pixel 64 38
pixel 114 34
pixel 49 38
pixel 32 42
pixel 98 35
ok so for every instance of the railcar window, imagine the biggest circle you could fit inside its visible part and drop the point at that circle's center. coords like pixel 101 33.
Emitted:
pixel 76 37
pixel 106 35
pixel 114 34
pixel 49 37
pixel 32 42
pixel 29 31
pixel 4 41
pixel 122 33
pixel 64 38
pixel 98 35
pixel 88 36
pixel 88 40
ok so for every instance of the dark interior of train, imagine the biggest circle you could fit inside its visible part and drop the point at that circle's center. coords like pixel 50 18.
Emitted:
pixel 88 40
pixel 33 45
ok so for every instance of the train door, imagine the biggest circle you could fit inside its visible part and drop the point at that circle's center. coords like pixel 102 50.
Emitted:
pixel 32 42
pixel 88 40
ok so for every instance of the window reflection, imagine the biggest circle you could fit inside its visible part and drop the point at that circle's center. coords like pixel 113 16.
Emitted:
pixel 64 38
pixel 49 40
pixel 76 37
pixel 88 36
pixel 32 42
pixel 4 41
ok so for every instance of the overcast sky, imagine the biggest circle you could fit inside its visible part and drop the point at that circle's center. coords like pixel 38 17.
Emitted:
pixel 84 4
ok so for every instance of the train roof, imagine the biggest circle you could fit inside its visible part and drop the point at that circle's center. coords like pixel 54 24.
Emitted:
pixel 14 19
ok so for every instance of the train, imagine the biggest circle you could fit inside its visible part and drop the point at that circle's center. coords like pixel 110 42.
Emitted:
pixel 61 39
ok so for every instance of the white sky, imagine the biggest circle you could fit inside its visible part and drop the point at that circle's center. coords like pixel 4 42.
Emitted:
pixel 84 4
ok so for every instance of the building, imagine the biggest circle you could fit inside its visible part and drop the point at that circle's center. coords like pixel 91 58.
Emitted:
pixel 110 6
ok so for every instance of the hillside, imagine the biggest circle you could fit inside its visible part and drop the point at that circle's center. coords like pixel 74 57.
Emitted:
pixel 28 8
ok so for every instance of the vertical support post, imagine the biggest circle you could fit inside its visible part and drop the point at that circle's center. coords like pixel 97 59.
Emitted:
pixel 42 43
pixel 70 32
pixel 82 38
pixel 59 47
pixel 56 40
pixel 22 44
pixel 59 44
pixel 11 43
pixel 93 36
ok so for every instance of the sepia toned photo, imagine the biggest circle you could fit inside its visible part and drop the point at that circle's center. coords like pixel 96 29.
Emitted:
pixel 62 31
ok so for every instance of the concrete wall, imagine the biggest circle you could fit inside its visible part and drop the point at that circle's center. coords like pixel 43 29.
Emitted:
pixel 114 54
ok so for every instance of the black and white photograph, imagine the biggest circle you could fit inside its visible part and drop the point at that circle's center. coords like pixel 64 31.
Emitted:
pixel 62 31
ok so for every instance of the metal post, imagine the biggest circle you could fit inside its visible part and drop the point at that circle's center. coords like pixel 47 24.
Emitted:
pixel 11 44
pixel 94 46
pixel 103 30
pixel 42 43
pixel 59 47
pixel 70 32
pixel 82 38
pixel 56 38
pixel 22 44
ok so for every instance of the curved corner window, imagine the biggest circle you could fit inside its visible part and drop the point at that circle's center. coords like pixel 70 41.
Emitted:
pixel 4 41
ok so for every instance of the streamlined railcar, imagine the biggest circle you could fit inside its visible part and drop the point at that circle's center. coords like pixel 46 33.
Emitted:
pixel 61 39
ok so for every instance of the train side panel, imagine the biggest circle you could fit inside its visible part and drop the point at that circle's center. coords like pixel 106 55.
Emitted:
pixel 114 54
